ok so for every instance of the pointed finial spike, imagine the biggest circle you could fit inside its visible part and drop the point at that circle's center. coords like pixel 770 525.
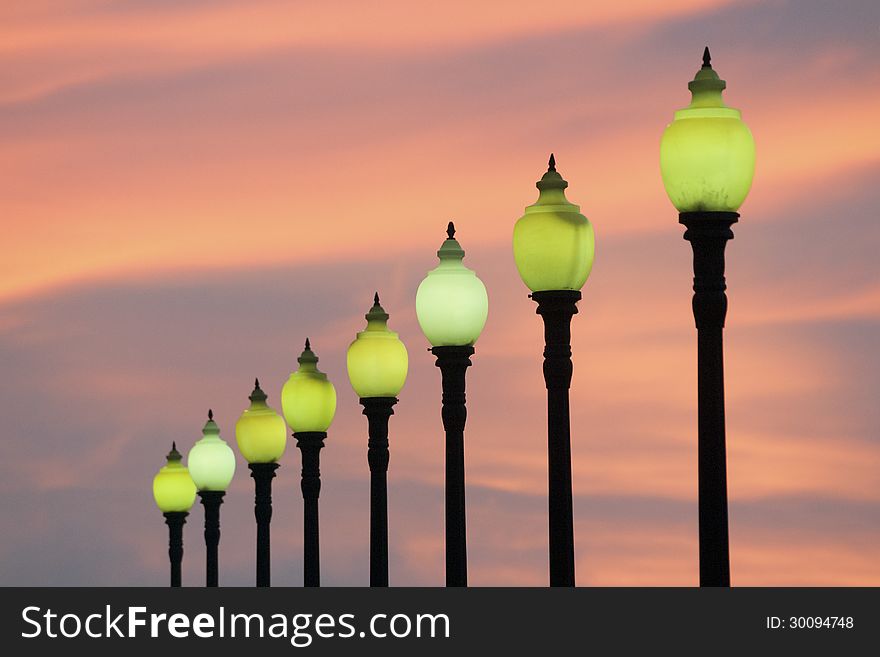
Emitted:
pixel 552 163
pixel 450 230
pixel 308 345
pixel 707 58
pixel 210 414
pixel 173 445
pixel 257 395
pixel 376 299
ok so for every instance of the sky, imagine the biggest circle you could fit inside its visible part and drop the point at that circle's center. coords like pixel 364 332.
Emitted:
pixel 189 188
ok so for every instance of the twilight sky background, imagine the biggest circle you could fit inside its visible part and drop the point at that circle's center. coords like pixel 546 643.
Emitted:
pixel 189 188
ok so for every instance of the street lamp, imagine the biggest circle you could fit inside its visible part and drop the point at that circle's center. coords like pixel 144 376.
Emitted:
pixel 174 492
pixel 377 365
pixel 452 306
pixel 211 465
pixel 553 245
pixel 707 160
pixel 261 436
pixel 309 403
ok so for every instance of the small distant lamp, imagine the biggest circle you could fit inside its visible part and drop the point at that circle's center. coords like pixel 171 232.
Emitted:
pixel 261 436
pixel 211 465
pixel 175 493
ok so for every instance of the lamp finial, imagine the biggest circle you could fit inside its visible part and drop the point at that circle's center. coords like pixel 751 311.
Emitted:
pixel 707 58
pixel 308 345
pixel 210 414
pixel 173 456
pixel 450 230
pixel 257 395
pixel 551 178
pixel 376 312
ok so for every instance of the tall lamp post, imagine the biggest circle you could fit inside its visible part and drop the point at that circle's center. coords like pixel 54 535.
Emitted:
pixel 211 466
pixel 261 436
pixel 452 306
pixel 553 246
pixel 707 160
pixel 377 365
pixel 309 403
pixel 175 493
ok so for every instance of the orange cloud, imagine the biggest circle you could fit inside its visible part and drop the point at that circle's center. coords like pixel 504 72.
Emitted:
pixel 145 39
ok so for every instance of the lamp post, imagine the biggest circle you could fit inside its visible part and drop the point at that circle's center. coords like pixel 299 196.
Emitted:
pixel 211 466
pixel 553 245
pixel 175 493
pixel 707 160
pixel 309 403
pixel 452 306
pixel 377 365
pixel 261 436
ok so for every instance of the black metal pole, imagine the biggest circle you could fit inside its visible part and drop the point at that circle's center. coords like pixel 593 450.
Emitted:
pixel 556 308
pixel 211 500
pixel 708 233
pixel 175 521
pixel 310 444
pixel 453 363
pixel 378 410
pixel 263 473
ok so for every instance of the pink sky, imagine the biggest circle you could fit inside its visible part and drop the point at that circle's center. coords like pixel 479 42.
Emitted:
pixel 189 189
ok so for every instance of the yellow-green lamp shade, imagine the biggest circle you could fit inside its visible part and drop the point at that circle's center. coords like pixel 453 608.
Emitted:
pixel 260 432
pixel 211 461
pixel 308 398
pixel 553 243
pixel 451 303
pixel 377 359
pixel 173 488
pixel 707 154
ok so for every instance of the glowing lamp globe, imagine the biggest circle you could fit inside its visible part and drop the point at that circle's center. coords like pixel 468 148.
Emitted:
pixel 211 461
pixel 173 488
pixel 451 303
pixel 260 432
pixel 308 399
pixel 707 153
pixel 553 243
pixel 377 360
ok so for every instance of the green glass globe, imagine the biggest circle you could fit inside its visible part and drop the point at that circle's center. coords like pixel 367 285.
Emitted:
pixel 451 303
pixel 173 488
pixel 211 461
pixel 260 432
pixel 377 360
pixel 553 243
pixel 707 153
pixel 308 399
